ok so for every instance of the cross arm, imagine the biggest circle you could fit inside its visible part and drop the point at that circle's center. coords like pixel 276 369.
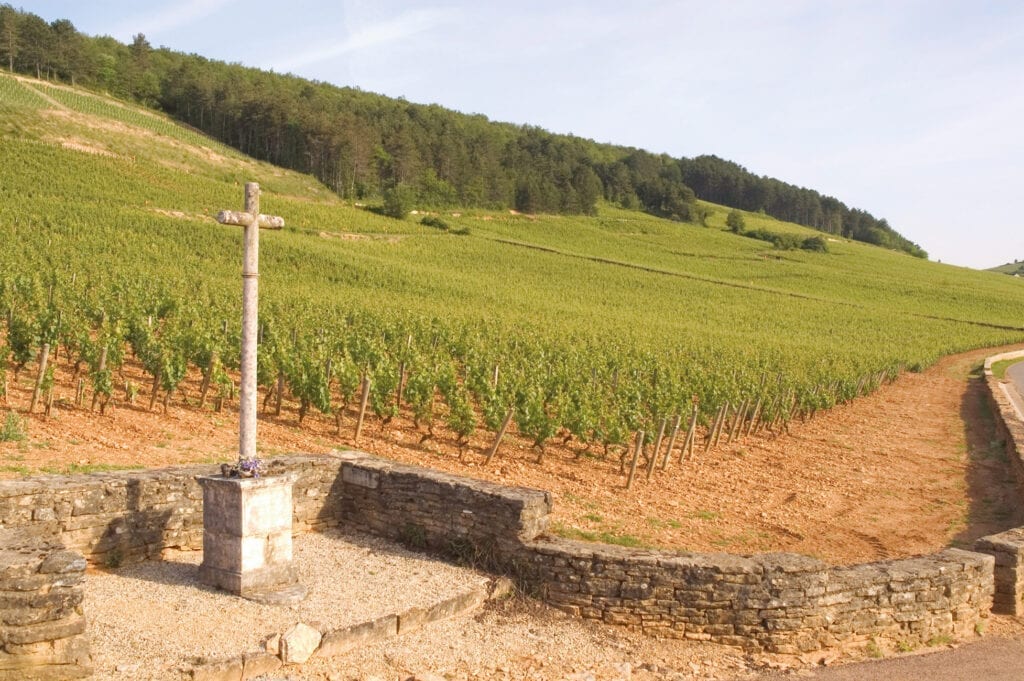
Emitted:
pixel 243 219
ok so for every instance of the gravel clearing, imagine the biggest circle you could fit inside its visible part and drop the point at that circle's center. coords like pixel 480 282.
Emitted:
pixel 147 621
pixel 520 640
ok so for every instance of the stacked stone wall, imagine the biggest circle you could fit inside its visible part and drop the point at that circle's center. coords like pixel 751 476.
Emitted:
pixel 1007 548
pixel 778 602
pixel 125 516
pixel 424 508
pixel 783 603
pixel 42 625
pixel 775 602
pixel 1008 420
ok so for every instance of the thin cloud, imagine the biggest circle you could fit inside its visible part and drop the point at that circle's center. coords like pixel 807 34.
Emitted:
pixel 169 18
pixel 402 27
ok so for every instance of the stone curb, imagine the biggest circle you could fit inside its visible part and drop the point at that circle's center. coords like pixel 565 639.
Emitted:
pixel 336 642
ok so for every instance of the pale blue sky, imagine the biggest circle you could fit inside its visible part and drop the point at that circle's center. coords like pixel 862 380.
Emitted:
pixel 912 110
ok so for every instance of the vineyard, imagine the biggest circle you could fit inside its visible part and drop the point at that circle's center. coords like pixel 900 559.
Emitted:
pixel 628 337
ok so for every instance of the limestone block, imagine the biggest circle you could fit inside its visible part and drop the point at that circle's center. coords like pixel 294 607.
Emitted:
pixel 299 643
pixel 360 477
pixel 258 664
pixel 273 645
pixel 267 509
pixel 340 641
pixel 253 552
pixel 219 670
pixel 278 548
pixel 62 562
pixel 247 537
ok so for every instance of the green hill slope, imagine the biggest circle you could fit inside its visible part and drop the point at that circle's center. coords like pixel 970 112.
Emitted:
pixel 1015 267
pixel 599 325
pixel 364 145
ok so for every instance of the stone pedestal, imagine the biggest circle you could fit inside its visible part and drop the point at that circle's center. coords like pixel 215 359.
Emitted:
pixel 247 538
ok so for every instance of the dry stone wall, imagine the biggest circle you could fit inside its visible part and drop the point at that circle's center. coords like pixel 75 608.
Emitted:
pixel 424 508
pixel 134 515
pixel 42 626
pixel 783 603
pixel 1007 548
pixel 778 602
pixel 1009 421
pixel 775 602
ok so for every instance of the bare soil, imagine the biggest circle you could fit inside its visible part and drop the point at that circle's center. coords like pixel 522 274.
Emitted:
pixel 912 468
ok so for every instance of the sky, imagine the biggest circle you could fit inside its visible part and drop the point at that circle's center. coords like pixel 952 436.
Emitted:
pixel 910 109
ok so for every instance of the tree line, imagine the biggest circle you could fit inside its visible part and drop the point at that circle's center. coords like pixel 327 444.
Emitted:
pixel 363 145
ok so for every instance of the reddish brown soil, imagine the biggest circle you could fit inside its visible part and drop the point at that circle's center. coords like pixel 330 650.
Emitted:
pixel 909 469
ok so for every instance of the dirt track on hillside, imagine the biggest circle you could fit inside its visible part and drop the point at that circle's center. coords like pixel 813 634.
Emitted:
pixel 907 470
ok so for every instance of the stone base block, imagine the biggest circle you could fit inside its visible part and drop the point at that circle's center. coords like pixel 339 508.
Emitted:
pixel 243 583
pixel 247 538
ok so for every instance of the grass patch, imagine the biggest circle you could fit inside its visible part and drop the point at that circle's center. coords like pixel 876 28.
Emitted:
pixel 658 523
pixel 77 468
pixel 603 537
pixel 999 368
pixel 593 517
pixel 744 539
pixel 707 515
pixel 413 536
pixel 20 470
pixel 114 558
pixel 13 429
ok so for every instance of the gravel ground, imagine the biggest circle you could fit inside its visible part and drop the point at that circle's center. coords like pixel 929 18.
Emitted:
pixel 520 640
pixel 147 620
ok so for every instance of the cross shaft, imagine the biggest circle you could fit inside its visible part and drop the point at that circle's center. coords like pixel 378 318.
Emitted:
pixel 252 221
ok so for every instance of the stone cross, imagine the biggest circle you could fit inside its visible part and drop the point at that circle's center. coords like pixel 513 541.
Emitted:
pixel 252 221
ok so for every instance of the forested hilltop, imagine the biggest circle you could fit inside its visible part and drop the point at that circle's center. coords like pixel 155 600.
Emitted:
pixel 364 145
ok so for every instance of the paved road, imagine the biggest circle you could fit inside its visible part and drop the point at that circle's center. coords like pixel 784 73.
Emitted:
pixel 1015 372
pixel 990 659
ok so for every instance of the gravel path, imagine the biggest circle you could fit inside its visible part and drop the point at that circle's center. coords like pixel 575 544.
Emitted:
pixel 147 620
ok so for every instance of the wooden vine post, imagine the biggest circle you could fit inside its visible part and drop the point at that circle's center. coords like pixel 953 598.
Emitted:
pixel 687 449
pixel 501 433
pixel 657 448
pixel 251 220
pixel 637 447
pixel 44 356
pixel 671 441
pixel 364 399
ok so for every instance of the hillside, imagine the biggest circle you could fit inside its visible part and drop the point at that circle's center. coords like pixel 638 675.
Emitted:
pixel 364 146
pixel 110 207
pixel 1014 268
pixel 589 329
